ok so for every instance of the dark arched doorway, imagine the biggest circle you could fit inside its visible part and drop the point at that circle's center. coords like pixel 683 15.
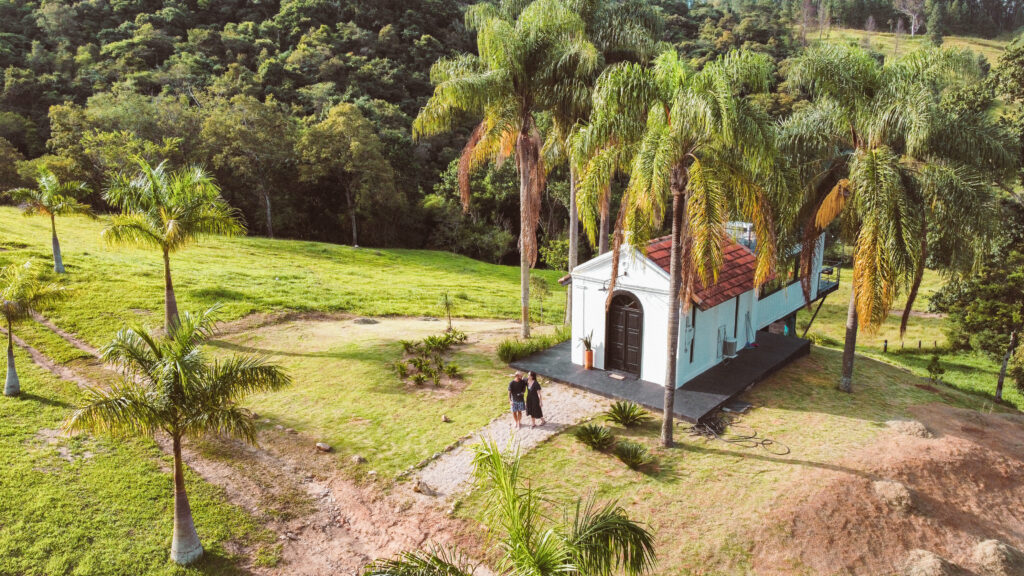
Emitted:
pixel 624 341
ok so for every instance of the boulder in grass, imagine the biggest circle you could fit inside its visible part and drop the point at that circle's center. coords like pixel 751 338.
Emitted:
pixel 323 446
pixel 364 321
pixel 445 418
pixel 995 558
pixel 357 459
pixel 925 563
pixel 910 428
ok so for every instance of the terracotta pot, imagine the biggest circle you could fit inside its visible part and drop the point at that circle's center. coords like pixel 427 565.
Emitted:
pixel 588 359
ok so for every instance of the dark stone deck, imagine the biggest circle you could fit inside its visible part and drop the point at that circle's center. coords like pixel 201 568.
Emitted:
pixel 697 398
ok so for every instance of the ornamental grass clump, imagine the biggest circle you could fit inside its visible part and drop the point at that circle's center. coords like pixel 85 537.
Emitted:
pixel 425 359
pixel 627 414
pixel 596 436
pixel 633 454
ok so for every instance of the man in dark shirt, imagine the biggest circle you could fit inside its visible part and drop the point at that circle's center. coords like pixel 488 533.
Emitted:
pixel 517 398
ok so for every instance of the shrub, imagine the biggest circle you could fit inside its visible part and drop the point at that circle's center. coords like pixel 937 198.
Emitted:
pixel 596 436
pixel 401 369
pixel 453 370
pixel 935 369
pixel 419 378
pixel 628 414
pixel 513 349
pixel 409 346
pixel 634 455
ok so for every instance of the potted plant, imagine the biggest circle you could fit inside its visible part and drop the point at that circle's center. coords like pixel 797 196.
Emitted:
pixel 588 351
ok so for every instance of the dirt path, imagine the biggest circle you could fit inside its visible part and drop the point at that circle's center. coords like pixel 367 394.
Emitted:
pixel 327 524
pixel 451 473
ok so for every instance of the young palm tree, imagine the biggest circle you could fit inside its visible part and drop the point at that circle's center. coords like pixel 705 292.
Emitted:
pixel 52 198
pixel 168 210
pixel 21 291
pixel 171 387
pixel 527 54
pixel 877 146
pixel 689 139
pixel 592 539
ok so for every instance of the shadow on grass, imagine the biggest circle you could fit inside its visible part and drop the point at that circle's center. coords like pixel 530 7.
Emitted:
pixel 28 396
pixel 361 354
pixel 760 455
pixel 216 563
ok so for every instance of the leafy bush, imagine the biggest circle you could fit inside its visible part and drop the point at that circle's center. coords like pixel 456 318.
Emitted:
pixel 452 370
pixel 512 349
pixel 628 414
pixel 426 361
pixel 402 369
pixel 823 340
pixel 408 346
pixel 419 378
pixel 596 436
pixel 634 455
pixel 935 369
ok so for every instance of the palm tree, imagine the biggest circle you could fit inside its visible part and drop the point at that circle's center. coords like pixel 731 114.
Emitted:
pixel 620 31
pixel 878 146
pixel 171 387
pixel 168 210
pixel 592 539
pixel 52 198
pixel 526 55
pixel 21 292
pixel 691 139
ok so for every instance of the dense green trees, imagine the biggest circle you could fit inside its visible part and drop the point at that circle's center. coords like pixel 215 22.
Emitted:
pixel 170 386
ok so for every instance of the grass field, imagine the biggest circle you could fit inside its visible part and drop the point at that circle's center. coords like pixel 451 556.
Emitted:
pixel 353 400
pixel 705 499
pixel 88 506
pixel 112 287
pixel 968 371
pixel 888 44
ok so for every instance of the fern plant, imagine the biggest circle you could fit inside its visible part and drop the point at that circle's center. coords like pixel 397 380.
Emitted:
pixel 627 414
pixel 596 436
pixel 634 455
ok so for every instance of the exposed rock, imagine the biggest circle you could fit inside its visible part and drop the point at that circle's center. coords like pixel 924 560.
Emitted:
pixel 910 428
pixel 357 459
pixel 364 321
pixel 291 431
pixel 423 488
pixel 925 563
pixel 895 495
pixel 429 319
pixel 323 446
pixel 278 427
pixel 995 558
pixel 445 418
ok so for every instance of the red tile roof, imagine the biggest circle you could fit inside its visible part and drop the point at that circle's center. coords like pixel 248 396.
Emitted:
pixel 735 277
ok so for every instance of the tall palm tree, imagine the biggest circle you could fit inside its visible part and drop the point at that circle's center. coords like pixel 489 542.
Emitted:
pixel 168 210
pixel 591 540
pixel 52 198
pixel 170 386
pixel 526 52
pixel 620 31
pixel 691 140
pixel 877 146
pixel 21 292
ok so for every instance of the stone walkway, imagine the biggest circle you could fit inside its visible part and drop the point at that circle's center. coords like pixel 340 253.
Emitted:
pixel 452 473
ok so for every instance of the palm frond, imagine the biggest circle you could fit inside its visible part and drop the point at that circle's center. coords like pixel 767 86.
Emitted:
pixel 436 562
pixel 603 540
pixel 125 408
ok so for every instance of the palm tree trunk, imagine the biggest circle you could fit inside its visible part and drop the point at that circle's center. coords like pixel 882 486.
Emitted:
pixel 185 545
pixel 674 286
pixel 58 262
pixel 352 218
pixel 604 231
pixel 850 346
pixel 170 302
pixel 12 387
pixel 1002 368
pixel 574 240
pixel 270 221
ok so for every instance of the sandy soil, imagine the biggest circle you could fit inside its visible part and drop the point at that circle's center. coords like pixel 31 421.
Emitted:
pixel 964 487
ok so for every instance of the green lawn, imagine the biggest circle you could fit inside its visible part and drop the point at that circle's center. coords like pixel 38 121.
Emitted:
pixel 886 42
pixel 114 286
pixel 968 371
pixel 352 399
pixel 705 499
pixel 86 506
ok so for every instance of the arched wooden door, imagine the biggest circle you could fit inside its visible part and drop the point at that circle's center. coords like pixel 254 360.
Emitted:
pixel 624 341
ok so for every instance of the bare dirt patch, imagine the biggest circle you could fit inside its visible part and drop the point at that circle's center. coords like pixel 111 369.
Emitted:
pixel 965 485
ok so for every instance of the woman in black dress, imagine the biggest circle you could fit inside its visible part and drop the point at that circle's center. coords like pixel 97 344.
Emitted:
pixel 534 404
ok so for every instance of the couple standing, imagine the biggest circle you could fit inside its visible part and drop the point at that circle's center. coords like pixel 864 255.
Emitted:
pixel 524 396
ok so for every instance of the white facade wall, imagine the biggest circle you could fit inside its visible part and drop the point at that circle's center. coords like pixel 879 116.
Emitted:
pixel 738 318
pixel 641 278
